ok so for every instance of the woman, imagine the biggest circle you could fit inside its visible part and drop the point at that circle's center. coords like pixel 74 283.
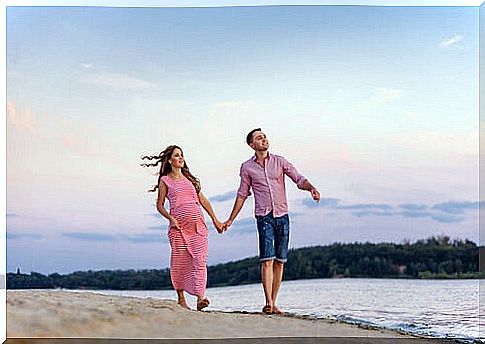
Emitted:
pixel 187 230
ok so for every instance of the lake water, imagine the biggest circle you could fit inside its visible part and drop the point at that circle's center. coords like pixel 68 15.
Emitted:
pixel 432 308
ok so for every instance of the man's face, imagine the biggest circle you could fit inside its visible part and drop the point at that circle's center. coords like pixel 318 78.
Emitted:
pixel 260 141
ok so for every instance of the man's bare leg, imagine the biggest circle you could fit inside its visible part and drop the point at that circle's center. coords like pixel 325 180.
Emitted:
pixel 277 278
pixel 267 280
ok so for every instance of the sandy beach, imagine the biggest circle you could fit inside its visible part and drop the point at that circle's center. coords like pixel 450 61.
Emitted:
pixel 37 313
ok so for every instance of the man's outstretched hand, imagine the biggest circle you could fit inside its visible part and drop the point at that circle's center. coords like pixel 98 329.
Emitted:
pixel 315 195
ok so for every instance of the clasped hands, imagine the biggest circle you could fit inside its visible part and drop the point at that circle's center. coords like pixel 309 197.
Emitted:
pixel 221 227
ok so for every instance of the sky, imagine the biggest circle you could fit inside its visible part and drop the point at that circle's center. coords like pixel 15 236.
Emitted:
pixel 376 106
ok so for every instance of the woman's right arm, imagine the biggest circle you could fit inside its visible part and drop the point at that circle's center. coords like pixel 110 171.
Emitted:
pixel 162 193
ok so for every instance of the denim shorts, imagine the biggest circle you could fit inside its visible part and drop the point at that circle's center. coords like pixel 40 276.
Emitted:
pixel 273 233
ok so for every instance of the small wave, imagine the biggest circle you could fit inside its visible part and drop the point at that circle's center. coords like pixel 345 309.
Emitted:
pixel 422 331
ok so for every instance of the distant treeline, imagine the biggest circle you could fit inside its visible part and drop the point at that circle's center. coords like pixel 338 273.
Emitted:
pixel 435 257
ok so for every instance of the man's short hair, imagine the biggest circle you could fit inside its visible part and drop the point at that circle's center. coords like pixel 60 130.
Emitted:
pixel 249 137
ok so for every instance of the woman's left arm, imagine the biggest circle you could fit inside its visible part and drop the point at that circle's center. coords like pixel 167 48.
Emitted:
pixel 204 202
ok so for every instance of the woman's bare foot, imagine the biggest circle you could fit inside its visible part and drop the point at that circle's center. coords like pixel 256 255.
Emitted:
pixel 181 299
pixel 276 310
pixel 183 304
pixel 201 304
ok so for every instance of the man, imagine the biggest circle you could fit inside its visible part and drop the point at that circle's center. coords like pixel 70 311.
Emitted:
pixel 265 174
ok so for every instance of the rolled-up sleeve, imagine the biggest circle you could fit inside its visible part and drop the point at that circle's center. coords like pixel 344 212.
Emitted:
pixel 293 173
pixel 244 186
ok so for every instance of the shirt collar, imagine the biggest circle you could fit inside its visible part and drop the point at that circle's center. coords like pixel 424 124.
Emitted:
pixel 254 157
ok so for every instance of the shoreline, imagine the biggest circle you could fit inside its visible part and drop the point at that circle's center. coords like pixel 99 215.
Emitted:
pixel 363 326
pixel 61 314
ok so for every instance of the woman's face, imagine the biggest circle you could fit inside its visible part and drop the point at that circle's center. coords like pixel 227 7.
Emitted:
pixel 177 159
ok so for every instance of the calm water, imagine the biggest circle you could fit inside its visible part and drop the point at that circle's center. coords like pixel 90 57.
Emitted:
pixel 435 308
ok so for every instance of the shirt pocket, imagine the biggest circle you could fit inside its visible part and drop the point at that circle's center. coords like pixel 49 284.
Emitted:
pixel 276 176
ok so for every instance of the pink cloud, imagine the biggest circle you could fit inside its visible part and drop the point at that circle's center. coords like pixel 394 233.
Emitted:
pixel 84 140
pixel 21 118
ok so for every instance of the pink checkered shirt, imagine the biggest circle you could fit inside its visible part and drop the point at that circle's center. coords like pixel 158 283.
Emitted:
pixel 268 183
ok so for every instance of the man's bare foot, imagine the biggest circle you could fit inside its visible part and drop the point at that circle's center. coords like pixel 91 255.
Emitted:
pixel 183 304
pixel 267 309
pixel 276 310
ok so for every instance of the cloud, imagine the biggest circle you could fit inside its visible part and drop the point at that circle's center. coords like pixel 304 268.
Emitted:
pixel 467 142
pixel 366 206
pixel 82 139
pixel 324 202
pixel 410 114
pixel 416 214
pixel 382 95
pixel 87 140
pixel 442 212
pixel 446 218
pixel 231 105
pixel 90 236
pixel 147 238
pixel 21 119
pixel 445 43
pixel 73 136
pixel 373 213
pixel 135 238
pixel 445 212
pixel 412 206
pixel 230 195
pixel 13 236
pixel 119 81
pixel 86 65
pixel 16 74
pixel 439 143
pixel 453 207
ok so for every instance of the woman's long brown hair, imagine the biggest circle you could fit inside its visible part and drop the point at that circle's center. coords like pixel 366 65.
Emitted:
pixel 166 168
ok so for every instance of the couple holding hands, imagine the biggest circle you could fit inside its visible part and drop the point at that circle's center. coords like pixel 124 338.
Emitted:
pixel 264 174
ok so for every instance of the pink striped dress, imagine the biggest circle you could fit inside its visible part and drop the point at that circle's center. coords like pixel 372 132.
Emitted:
pixel 188 259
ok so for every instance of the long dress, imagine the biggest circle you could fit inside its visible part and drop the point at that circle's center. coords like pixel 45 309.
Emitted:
pixel 189 244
